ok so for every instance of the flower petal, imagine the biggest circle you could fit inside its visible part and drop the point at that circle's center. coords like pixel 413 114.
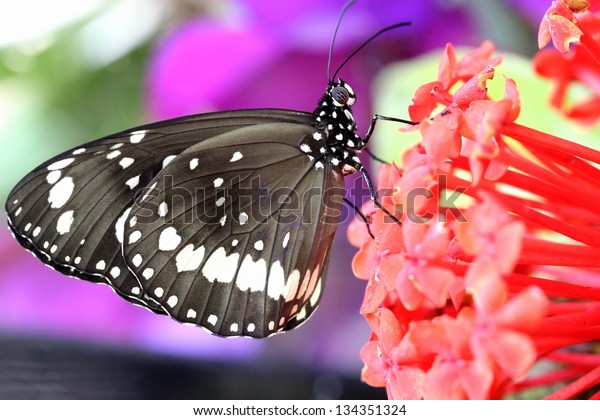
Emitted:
pixel 373 373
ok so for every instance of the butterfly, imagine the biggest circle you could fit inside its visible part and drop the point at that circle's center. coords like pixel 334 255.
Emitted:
pixel 223 220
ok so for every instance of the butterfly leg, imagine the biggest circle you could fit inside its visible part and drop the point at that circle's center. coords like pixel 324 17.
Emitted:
pixel 378 117
pixel 374 157
pixel 361 216
pixel 373 194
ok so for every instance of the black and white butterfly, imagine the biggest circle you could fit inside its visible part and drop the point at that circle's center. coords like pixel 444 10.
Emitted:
pixel 223 220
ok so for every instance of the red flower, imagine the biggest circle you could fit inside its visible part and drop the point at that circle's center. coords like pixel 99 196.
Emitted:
pixel 458 296
pixel 559 25
pixel 578 35
pixel 429 96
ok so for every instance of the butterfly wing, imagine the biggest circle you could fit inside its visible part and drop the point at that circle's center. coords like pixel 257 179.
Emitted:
pixel 71 211
pixel 233 235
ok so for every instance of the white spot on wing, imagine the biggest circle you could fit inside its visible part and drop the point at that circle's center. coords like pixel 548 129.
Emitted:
pixel 133 182
pixel 252 275
pixel 36 231
pixel 314 299
pixel 126 162
pixel 120 225
pixel 101 265
pixel 251 327
pixel 286 239
pixel 236 156
pixel 291 287
pixel 64 222
pixel 189 259
pixel 113 154
pixel 276 284
pixel 319 165
pixel 302 314
pixel 259 245
pixel 114 272
pixel 19 210
pixel 317 136
pixel 135 236
pixel 191 314
pixel 168 160
pixel 223 220
pixel 52 177
pixel 212 320
pixel 163 209
pixel 61 164
pixel 172 301
pixel 147 273
pixel 169 239
pixel 61 192
pixel 137 136
pixel 159 292
pixel 149 190
pixel 194 163
pixel 271 325
pixel 233 327
pixel 218 182
pixel 305 148
pixel 220 201
pixel 27 227
pixel 243 218
pixel 78 151
pixel 220 266
pixel 137 260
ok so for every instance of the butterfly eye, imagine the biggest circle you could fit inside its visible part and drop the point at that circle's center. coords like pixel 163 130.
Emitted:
pixel 340 95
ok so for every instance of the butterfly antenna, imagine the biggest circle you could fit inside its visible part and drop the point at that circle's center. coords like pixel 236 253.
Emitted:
pixel 364 44
pixel 337 26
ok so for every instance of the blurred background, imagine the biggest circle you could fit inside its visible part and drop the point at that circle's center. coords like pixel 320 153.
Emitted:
pixel 72 71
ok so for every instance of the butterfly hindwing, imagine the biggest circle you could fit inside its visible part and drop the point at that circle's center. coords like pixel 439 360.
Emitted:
pixel 233 234
pixel 71 211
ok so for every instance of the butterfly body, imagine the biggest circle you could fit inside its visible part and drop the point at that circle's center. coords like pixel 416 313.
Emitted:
pixel 223 220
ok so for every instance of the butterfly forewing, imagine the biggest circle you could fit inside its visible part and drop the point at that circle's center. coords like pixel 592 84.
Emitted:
pixel 233 234
pixel 71 211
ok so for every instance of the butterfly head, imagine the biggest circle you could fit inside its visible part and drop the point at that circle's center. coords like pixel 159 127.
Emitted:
pixel 341 94
pixel 334 113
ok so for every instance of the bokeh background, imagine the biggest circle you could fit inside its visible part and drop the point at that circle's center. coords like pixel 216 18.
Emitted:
pixel 72 71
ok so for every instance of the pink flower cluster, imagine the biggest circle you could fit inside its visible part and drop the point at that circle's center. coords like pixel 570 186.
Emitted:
pixel 495 266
